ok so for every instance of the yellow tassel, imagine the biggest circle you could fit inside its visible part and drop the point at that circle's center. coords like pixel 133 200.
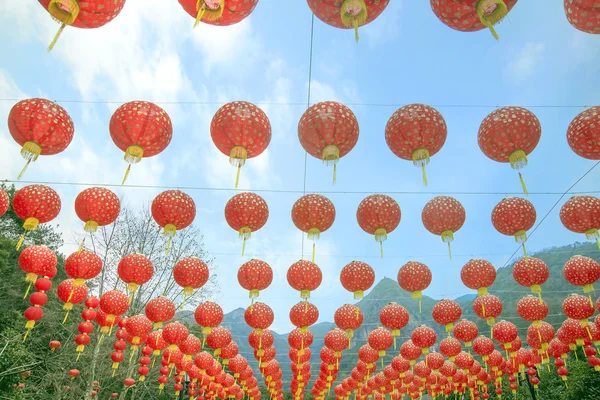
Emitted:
pixel 425 182
pixel 126 174
pixel 66 316
pixel 237 175
pixel 28 289
pixel 23 170
pixel 243 247
pixel 26 334
pixel 523 184
pixel 450 251
pixel 381 249
pixel 50 47
pixel 81 246
pixel 21 239
pixel 492 18
pixel 335 177
pixel 313 251
pixel 356 30
pixel 420 306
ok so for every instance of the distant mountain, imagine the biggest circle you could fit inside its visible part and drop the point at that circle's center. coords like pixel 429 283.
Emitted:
pixel 387 290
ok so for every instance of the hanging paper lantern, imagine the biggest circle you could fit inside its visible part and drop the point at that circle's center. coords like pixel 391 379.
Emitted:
pixel 488 307
pixel 380 339
pixel 297 339
pixel 578 307
pixel 255 275
pixel 259 316
pixel 173 210
pixel 583 134
pixel 328 131
pixel 478 275
pixel 190 273
pixel 218 12
pixel 472 15
pixel 208 315
pixel 35 204
pixel 135 270
pixel 446 312
pixel 378 215
pixel 81 14
pixel 313 214
pixel 532 309
pixel 305 277
pixel 138 327
pixel 581 214
pixel 357 277
pixel 348 318
pixel 465 331
pixel 443 216
pixel 410 351
pixel 160 310
pixel 113 303
pixel 96 207
pixel 241 131
pixel 228 352
pixel 41 127
pixel 246 213
pixel 54 344
pixel 35 312
pixel 509 135
pixel 70 294
pixel 414 277
pixel 4 202
pixel 82 266
pixel 347 14
pixel 141 129
pixel 303 315
pixel 514 216
pixel 416 132
pixel 450 348
pixel 36 260
pixel 190 346
pixel 424 337
pixel 531 272
pixel 584 15
pixel 394 317
pixel 483 347
pixel 174 334
pixel 582 271
pixel 217 339
pixel 505 333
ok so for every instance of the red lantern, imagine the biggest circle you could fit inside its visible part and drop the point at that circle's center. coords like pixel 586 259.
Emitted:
pixel 259 316
pixel 514 216
pixel 414 277
pixel 582 271
pixel 70 294
pixel 410 351
pixel 347 14
pixel 305 277
pixel 297 339
pixel 217 339
pixel 472 15
pixel 465 331
pixel 303 315
pixel 509 135
pixel 36 204
pixel 135 270
pixel 227 352
pixel 328 131
pixel 113 303
pixel 478 275
pixel 34 313
pixel 82 266
pixel 190 346
pixel 41 127
pixel 395 317
pixel 337 341
pixel 240 130
pixel 255 275
pixel 54 344
pixel 578 307
pixel 416 132
pixel 357 277
pixel 208 315
pixel 380 339
pixel 218 12
pixel 313 214
pixel 531 272
pixel 583 15
pixel 173 210
pixel 348 318
pixel 446 313
pixel 378 215
pixel 505 333
pixel 443 216
pixel 160 310
pixel 483 346
pixel 141 129
pixel 424 337
pixel 246 213
pixel 190 273
pixel 583 134
pixel 96 207
pixel 532 309
pixel 174 334
pixel 4 202
pixel 138 327
pixel 581 214
pixel 488 307
pixel 74 373
pixel 450 347
pixel 36 260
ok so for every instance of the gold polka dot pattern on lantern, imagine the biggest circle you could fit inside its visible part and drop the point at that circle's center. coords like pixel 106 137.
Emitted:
pixel 217 339
pixel 583 134
pixel 488 307
pixel 443 216
pixel 357 277
pixel 246 213
pixel 259 316
pixel 416 132
pixel 582 271
pixel 446 312
pixel 305 277
pixel 465 331
pixel 160 310
pixel 531 272
pixel 255 275
pixel 531 309
pixel 514 216
pixel 581 214
pixel 478 275
pixel 70 294
pixel 35 204
pixel 414 277
pixel 35 261
pixel 303 315
pixel 135 270
pixel 348 318
pixel 208 315
pixel 190 273
pixel 96 207
pixel 313 214
pixel 82 266
pixel 4 202
pixel 378 215
pixel 173 210
pixel 583 15
pixel 380 339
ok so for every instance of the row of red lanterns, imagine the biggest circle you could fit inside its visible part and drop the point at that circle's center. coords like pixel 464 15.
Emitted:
pixel 327 131
pixel 461 15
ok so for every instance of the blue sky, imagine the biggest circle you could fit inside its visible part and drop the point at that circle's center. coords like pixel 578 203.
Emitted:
pixel 150 52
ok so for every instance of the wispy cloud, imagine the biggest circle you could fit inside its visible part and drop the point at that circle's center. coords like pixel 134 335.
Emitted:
pixel 524 63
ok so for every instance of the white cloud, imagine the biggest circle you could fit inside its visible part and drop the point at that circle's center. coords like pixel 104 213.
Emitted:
pixel 525 62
